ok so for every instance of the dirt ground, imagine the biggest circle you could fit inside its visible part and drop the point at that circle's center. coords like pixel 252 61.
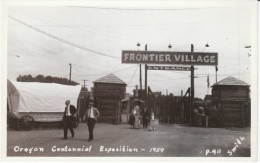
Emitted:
pixel 168 140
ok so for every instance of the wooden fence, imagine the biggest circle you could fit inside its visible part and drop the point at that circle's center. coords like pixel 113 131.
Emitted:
pixel 170 109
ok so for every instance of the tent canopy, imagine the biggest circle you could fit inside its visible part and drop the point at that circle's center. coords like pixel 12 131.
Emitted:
pixel 40 97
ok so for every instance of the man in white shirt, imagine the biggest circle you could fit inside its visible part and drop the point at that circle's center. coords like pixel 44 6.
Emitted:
pixel 91 116
pixel 70 111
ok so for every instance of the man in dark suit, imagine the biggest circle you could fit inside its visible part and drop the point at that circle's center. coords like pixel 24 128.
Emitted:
pixel 91 116
pixel 145 117
pixel 68 118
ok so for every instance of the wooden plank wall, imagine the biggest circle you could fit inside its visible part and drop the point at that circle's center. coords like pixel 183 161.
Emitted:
pixel 233 100
pixel 109 97
pixel 230 93
pixel 109 90
pixel 171 109
pixel 236 114
pixel 109 110
pixel 82 106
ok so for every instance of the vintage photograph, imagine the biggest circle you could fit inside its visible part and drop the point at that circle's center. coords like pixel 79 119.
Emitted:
pixel 161 79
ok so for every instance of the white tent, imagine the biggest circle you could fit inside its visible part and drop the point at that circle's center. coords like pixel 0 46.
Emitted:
pixel 40 97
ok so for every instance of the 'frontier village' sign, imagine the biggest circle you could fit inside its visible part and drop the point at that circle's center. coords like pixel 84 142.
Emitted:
pixel 163 57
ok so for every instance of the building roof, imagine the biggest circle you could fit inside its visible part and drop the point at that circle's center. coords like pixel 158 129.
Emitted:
pixel 111 78
pixel 231 81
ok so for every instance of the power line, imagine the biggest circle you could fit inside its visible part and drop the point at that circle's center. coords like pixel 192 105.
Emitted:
pixel 34 53
pixel 171 72
pixel 66 76
pixel 198 77
pixel 88 31
pixel 167 79
pixel 133 75
pixel 223 66
pixel 62 40
pixel 30 51
pixel 74 27
pixel 224 75
pixel 104 73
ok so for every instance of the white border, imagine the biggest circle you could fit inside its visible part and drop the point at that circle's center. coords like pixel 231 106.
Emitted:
pixel 129 4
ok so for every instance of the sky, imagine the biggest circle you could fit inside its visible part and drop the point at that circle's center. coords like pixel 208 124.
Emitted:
pixel 92 38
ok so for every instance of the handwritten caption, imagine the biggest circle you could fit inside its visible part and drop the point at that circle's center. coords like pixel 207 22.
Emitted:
pixel 218 151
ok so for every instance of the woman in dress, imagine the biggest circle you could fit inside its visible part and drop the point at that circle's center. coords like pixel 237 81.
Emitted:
pixel 136 112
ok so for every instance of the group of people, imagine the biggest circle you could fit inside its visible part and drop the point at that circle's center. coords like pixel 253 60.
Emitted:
pixel 92 114
pixel 212 115
pixel 199 117
pixel 69 118
pixel 208 116
pixel 135 116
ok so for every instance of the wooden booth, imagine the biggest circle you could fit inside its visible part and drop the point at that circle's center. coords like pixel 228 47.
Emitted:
pixel 126 108
pixel 232 96
pixel 83 103
pixel 109 92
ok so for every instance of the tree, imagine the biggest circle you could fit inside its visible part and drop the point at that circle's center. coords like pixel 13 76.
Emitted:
pixel 19 78
pixel 47 79
pixel 30 78
pixel 39 78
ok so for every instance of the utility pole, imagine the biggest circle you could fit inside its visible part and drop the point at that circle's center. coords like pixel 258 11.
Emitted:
pixel 70 73
pixel 145 76
pixel 140 76
pixel 192 84
pixel 182 108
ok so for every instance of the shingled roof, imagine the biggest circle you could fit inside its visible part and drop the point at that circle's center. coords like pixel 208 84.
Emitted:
pixel 231 81
pixel 111 78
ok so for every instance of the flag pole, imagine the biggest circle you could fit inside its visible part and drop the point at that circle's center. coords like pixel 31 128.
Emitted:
pixel 208 84
pixel 216 68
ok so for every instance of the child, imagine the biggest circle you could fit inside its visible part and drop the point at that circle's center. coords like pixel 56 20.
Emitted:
pixel 152 123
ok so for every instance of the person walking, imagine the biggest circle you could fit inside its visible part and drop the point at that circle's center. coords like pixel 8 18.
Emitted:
pixel 145 117
pixel 152 122
pixel 195 117
pixel 68 118
pixel 136 112
pixel 91 116
pixel 131 120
